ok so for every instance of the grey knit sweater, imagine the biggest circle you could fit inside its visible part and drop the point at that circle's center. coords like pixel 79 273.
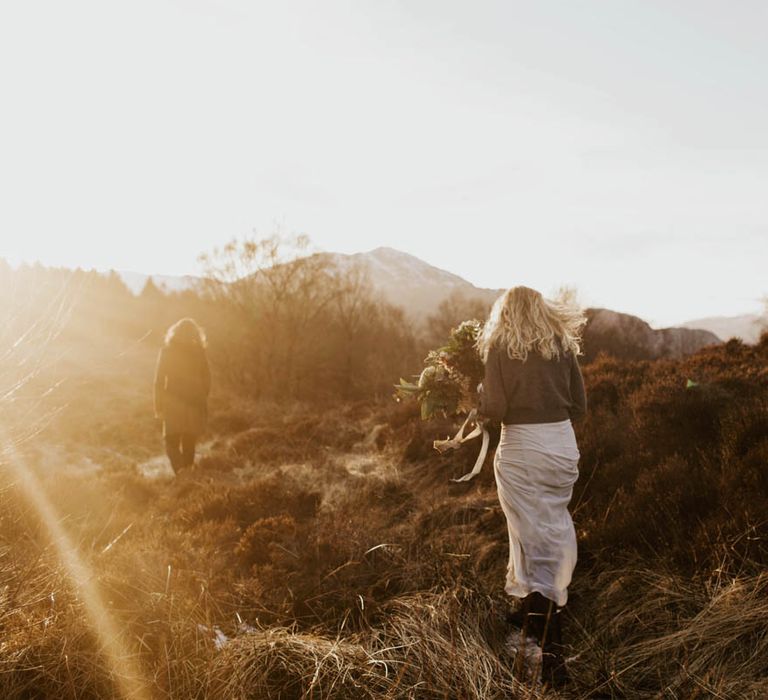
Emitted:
pixel 534 391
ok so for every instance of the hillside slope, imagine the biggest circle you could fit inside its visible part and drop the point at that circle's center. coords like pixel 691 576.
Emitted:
pixel 419 288
pixel 407 281
pixel 747 327
pixel 325 553
pixel 630 338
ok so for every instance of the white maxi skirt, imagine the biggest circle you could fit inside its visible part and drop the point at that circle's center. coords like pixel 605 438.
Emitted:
pixel 536 466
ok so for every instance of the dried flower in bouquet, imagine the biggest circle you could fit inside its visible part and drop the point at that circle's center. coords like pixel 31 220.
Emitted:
pixel 448 383
pixel 448 386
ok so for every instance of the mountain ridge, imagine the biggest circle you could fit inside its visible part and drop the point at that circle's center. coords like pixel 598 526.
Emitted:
pixel 747 327
pixel 407 281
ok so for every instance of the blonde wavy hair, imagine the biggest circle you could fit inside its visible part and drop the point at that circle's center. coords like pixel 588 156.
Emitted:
pixel 186 332
pixel 522 321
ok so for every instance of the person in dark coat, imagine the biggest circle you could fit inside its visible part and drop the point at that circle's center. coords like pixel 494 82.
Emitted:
pixel 182 384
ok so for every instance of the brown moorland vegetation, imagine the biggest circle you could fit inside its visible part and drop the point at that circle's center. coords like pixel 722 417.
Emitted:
pixel 320 551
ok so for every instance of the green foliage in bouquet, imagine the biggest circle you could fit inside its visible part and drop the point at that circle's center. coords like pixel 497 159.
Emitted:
pixel 448 383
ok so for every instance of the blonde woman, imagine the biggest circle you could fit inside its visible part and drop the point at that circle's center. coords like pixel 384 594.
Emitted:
pixel 533 385
pixel 182 384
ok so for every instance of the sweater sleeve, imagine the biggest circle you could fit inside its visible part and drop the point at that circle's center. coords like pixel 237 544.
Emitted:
pixel 160 374
pixel 578 394
pixel 493 400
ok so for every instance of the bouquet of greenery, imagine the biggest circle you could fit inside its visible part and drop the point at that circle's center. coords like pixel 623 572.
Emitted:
pixel 448 384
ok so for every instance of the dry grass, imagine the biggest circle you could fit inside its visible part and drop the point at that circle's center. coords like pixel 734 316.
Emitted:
pixel 659 633
pixel 279 662
pixel 448 644
pixel 432 645
pixel 340 562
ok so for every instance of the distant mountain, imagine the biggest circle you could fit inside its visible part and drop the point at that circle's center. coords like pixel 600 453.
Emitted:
pixel 135 281
pixel 747 327
pixel 407 281
pixel 419 288
pixel 402 280
pixel 629 337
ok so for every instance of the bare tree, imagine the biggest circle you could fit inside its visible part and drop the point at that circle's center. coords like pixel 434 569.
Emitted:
pixel 454 309
pixel 279 291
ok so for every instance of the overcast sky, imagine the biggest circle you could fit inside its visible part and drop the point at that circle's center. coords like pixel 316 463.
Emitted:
pixel 621 147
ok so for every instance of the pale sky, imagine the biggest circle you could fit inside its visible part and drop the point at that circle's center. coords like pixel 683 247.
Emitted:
pixel 620 147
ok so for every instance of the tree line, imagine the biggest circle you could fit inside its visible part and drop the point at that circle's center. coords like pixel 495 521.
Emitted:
pixel 282 324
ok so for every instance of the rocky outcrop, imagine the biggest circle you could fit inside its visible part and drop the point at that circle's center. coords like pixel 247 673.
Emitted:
pixel 628 337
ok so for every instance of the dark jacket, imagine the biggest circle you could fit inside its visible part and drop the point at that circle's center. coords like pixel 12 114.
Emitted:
pixel 534 391
pixel 182 384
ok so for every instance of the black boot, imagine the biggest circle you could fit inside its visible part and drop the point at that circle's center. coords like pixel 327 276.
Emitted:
pixel 539 613
pixel 543 623
pixel 554 673
pixel 516 618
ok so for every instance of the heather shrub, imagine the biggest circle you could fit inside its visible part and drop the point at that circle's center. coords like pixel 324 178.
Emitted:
pixel 268 540
pixel 268 496
pixel 321 551
pixel 671 468
pixel 219 461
